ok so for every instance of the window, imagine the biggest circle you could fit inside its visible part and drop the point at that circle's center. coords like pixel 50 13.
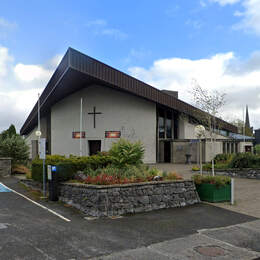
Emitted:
pixel 168 128
pixel 165 123
pixel 169 124
pixel 161 127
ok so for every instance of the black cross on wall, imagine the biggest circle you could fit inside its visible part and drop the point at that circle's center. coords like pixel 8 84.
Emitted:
pixel 94 113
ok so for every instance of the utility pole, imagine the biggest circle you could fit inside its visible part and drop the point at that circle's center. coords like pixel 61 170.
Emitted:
pixel 80 128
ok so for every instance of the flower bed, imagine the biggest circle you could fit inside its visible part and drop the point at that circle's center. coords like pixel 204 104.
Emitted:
pixel 113 200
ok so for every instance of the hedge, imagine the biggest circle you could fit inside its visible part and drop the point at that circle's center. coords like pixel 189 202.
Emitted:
pixel 245 160
pixel 67 167
pixel 65 171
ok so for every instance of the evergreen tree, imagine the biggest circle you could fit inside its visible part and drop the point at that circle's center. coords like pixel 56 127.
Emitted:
pixel 11 131
pixel 14 146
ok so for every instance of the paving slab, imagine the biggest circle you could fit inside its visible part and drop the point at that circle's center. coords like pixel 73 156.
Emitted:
pixel 143 253
pixel 247 191
pixel 254 225
pixel 239 236
pixel 196 247
pixel 191 247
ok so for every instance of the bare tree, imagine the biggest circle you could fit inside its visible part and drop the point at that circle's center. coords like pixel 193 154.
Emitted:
pixel 210 102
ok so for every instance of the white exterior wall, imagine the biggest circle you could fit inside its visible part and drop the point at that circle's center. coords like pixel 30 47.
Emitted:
pixel 133 116
pixel 241 146
pixel 187 130
pixel 211 150
pixel 31 136
pixel 28 140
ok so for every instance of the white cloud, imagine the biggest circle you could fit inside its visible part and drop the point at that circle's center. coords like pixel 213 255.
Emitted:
pixel 114 32
pixel 19 87
pixel 5 59
pixel 100 27
pixel 30 73
pixel 6 27
pixel 225 2
pixel 202 3
pixel 97 22
pixel 40 73
pixel 250 16
pixel 6 24
pixel 218 72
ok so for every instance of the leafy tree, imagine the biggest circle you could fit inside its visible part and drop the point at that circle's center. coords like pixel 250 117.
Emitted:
pixel 240 125
pixel 14 146
pixel 211 103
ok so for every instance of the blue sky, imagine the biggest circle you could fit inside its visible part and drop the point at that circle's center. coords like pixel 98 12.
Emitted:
pixel 165 43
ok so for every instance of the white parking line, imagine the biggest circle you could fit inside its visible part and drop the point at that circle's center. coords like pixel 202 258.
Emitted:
pixel 39 205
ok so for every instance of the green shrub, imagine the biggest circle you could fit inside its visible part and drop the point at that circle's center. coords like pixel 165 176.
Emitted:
pixel 37 171
pixel 208 166
pixel 15 147
pixel 93 162
pixel 217 180
pixel 67 167
pixel 65 171
pixel 223 157
pixel 125 153
pixel 257 149
pixel 129 174
pixel 122 172
pixel 195 168
pixel 245 160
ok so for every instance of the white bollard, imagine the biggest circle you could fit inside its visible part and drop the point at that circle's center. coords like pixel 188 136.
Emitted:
pixel 232 191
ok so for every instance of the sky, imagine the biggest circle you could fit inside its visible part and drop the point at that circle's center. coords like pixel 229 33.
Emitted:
pixel 170 44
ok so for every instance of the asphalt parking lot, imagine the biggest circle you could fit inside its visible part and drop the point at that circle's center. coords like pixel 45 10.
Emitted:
pixel 32 232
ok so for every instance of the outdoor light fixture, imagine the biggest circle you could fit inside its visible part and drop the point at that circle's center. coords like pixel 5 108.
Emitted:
pixel 38 133
pixel 199 131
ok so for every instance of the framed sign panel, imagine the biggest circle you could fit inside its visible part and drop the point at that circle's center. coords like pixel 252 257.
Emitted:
pixel 112 134
pixel 76 135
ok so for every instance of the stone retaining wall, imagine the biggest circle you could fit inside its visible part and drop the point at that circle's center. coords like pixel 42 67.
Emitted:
pixel 244 173
pixel 114 200
pixel 5 167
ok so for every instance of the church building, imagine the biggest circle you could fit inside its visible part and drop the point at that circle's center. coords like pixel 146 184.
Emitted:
pixel 115 105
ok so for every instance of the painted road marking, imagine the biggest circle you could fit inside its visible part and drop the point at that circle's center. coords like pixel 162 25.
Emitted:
pixel 3 188
pixel 36 203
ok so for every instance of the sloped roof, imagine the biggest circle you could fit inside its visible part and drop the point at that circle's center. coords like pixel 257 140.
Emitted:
pixel 77 71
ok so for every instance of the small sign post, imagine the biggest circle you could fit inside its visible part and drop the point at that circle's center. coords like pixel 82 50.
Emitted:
pixel 42 155
pixel 232 191
pixel 49 173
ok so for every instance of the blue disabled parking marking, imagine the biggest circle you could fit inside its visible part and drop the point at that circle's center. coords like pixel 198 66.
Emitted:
pixel 4 189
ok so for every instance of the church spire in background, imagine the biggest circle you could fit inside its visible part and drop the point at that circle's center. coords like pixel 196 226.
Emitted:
pixel 247 118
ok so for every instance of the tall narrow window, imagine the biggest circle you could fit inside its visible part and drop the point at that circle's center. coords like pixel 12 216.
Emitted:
pixel 161 123
pixel 168 124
